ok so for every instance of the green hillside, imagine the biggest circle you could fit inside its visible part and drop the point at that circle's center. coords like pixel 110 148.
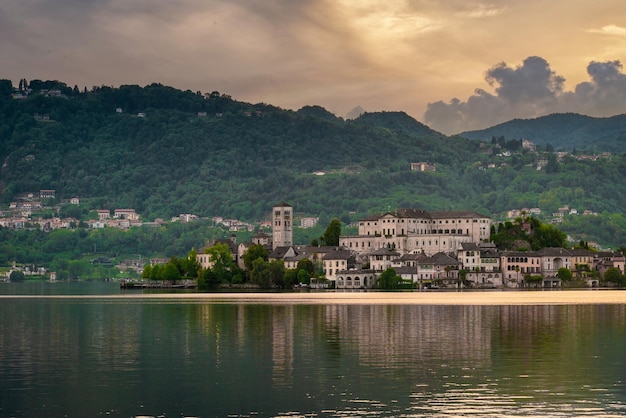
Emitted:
pixel 163 152
pixel 235 159
pixel 565 131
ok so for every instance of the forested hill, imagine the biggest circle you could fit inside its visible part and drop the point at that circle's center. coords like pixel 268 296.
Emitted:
pixel 564 131
pixel 398 122
pixel 163 152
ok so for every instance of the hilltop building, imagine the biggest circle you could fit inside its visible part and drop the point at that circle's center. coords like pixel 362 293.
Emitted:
pixel 423 166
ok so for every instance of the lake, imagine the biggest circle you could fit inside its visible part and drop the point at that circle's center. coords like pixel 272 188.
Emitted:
pixel 90 349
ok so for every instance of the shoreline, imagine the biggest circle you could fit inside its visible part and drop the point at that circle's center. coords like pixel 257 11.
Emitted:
pixel 487 298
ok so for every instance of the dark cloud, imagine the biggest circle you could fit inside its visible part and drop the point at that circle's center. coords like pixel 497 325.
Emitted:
pixel 533 80
pixel 530 90
pixel 605 94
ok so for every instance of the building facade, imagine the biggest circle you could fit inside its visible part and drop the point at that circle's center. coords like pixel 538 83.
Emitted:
pixel 418 231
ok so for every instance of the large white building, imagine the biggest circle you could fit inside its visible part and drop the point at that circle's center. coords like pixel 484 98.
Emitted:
pixel 418 231
pixel 282 225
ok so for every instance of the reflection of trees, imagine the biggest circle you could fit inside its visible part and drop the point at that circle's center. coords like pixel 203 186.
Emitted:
pixel 553 344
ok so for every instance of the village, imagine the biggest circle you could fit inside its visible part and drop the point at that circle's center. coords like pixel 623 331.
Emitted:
pixel 428 250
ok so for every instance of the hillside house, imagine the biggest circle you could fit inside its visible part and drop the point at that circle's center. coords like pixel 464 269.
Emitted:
pixel 127 214
pixel 47 194
pixel 308 222
pixel 423 166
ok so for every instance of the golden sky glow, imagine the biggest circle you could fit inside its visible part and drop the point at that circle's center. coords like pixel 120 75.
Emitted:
pixel 339 54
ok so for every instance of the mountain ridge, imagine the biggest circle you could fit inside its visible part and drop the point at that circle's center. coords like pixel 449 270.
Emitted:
pixel 563 131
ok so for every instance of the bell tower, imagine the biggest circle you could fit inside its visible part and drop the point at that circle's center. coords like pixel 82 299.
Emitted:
pixel 282 225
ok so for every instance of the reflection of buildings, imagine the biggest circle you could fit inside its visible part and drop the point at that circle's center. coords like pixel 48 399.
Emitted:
pixel 283 324
pixel 402 335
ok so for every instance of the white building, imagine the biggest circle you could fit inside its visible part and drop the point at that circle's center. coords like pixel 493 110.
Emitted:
pixel 418 231
pixel 308 222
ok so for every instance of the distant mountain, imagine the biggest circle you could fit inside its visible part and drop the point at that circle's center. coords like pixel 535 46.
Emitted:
pixel 564 131
pixel 318 112
pixel 397 121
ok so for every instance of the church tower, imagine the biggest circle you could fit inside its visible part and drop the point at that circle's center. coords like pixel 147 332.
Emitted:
pixel 282 224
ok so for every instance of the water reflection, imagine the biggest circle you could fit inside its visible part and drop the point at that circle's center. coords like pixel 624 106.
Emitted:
pixel 125 358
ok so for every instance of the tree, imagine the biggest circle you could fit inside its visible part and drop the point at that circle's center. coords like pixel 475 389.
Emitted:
pixel 76 268
pixel 462 276
pixel 304 276
pixel 6 87
pixel 388 279
pixel 553 164
pixel 155 273
pixel 189 266
pixel 223 265
pixel 254 252
pixel 208 280
pixel 291 277
pixel 260 273
pixel 17 276
pixel 533 279
pixel 564 274
pixel 277 273
pixel 170 272
pixel 547 235
pixel 332 233
pixel 614 275
pixel 306 265
pixel 145 274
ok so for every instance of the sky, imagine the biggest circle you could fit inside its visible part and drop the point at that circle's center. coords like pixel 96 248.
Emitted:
pixel 455 65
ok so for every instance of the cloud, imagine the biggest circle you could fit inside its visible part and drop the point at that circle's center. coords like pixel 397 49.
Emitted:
pixel 398 55
pixel 612 30
pixel 530 90
pixel 483 11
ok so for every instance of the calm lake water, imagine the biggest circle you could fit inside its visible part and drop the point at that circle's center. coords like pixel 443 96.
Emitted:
pixel 110 356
